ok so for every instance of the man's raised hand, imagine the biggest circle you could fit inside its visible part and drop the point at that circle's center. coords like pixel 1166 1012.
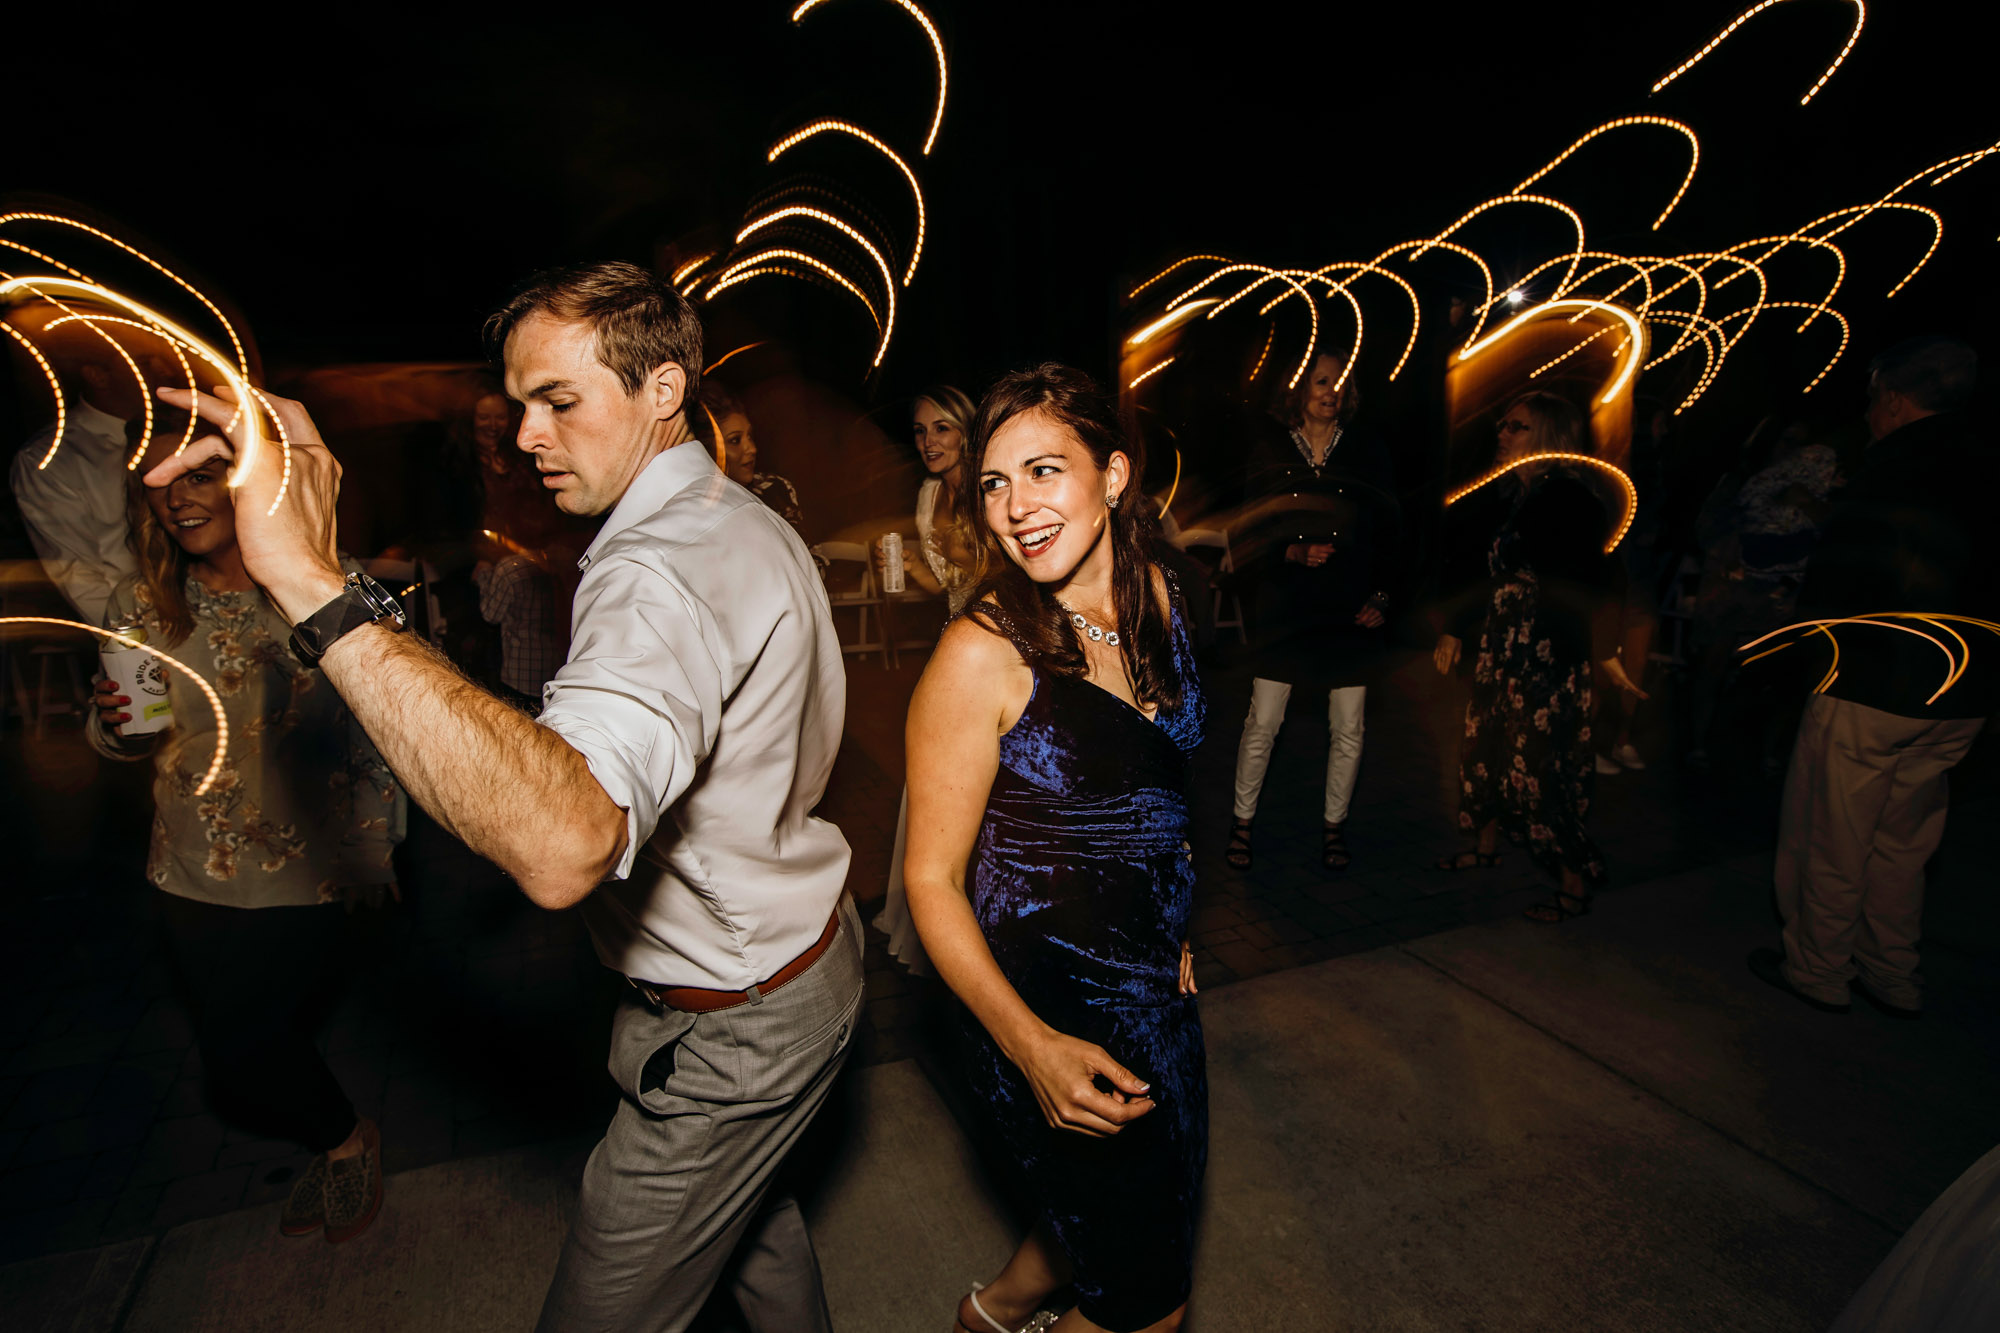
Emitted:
pixel 290 550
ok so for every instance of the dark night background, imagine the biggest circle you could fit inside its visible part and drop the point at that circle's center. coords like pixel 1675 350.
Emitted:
pixel 364 181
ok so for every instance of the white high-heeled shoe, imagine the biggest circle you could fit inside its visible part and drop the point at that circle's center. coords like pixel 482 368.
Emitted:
pixel 1039 1323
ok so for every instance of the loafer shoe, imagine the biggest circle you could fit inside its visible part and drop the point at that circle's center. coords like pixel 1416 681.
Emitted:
pixel 354 1187
pixel 305 1210
pixel 1769 967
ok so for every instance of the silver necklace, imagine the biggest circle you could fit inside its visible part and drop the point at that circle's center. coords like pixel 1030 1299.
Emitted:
pixel 1305 446
pixel 1090 631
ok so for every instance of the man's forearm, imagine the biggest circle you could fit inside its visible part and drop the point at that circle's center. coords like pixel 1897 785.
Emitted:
pixel 512 791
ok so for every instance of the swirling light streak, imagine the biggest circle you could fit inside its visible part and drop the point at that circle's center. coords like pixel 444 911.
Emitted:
pixel 1286 276
pixel 1559 456
pixel 138 376
pixel 819 215
pixel 1538 371
pixel 738 272
pixel 1860 17
pixel 214 702
pixel 799 136
pixel 1954 666
pixel 1694 157
pixel 1178 263
pixel 1838 318
pixel 173 345
pixel 1711 358
pixel 690 266
pixel 245 394
pixel 1270 336
pixel 1576 221
pixel 1148 373
pixel 236 343
pixel 1937 230
pixel 723 360
pixel 937 48
pixel 1485 273
pixel 1617 312
pixel 1173 319
pixel 1416 310
pixel 1778 243
pixel 55 387
pixel 50 260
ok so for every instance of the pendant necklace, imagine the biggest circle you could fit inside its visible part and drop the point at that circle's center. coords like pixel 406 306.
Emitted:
pixel 1090 631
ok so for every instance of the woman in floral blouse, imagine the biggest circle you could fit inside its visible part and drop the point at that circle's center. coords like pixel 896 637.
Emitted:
pixel 260 871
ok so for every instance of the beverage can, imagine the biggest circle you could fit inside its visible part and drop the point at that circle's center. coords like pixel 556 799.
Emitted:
pixel 141 677
pixel 892 562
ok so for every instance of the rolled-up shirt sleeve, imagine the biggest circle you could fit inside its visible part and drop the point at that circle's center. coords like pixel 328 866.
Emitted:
pixel 640 697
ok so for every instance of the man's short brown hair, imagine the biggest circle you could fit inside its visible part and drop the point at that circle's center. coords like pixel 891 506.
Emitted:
pixel 640 320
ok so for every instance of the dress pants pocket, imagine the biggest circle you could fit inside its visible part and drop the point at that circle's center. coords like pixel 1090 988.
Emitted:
pixel 643 1045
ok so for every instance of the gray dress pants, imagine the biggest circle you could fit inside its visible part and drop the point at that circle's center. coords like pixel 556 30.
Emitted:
pixel 682 1182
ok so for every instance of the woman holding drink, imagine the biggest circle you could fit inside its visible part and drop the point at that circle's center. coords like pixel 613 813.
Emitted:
pixel 944 564
pixel 259 873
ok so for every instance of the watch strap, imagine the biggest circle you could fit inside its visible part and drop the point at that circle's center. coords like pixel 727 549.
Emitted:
pixel 361 602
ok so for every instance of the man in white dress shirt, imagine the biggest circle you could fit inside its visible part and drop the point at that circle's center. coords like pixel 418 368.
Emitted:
pixel 668 788
pixel 74 506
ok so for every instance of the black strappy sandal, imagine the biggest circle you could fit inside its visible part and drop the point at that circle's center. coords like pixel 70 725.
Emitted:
pixel 1457 864
pixel 1238 854
pixel 1559 908
pixel 1333 847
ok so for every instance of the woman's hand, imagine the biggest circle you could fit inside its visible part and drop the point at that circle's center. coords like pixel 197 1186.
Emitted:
pixel 1187 969
pixel 1445 655
pixel 1614 671
pixel 1370 615
pixel 110 704
pixel 1063 1071
pixel 1310 554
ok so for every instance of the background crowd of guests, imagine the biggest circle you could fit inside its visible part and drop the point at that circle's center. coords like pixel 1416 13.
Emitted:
pixel 1068 683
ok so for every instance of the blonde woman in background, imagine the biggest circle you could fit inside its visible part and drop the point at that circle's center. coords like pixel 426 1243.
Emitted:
pixel 945 563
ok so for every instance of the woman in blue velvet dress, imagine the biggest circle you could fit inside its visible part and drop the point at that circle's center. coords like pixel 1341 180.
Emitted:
pixel 1048 867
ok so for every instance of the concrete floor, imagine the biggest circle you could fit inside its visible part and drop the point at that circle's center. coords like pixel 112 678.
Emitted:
pixel 1608 1125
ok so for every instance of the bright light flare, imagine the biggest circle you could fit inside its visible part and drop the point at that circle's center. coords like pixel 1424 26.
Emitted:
pixel 1632 323
pixel 820 215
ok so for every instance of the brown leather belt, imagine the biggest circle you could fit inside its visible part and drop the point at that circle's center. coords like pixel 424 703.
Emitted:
pixel 695 1000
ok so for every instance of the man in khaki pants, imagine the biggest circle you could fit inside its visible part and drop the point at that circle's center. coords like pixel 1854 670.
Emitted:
pixel 1865 797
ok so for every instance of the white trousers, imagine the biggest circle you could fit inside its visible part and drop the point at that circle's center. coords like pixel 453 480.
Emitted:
pixel 1260 730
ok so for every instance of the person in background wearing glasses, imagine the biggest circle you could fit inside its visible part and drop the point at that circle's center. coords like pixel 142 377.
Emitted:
pixel 1548 609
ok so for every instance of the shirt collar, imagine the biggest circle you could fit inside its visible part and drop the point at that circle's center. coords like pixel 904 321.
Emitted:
pixel 686 464
pixel 96 421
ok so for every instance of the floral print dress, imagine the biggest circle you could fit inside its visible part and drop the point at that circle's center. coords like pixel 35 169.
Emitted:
pixel 303 809
pixel 1526 759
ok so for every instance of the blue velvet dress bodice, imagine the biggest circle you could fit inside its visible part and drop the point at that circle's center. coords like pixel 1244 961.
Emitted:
pixel 1082 881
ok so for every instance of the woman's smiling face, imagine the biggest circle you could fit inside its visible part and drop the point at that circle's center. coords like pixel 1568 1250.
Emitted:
pixel 197 509
pixel 939 442
pixel 1045 496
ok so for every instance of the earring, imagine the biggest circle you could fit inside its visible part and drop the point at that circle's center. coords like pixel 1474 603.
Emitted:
pixel 1111 501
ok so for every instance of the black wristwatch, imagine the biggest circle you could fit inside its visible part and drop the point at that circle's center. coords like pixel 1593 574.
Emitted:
pixel 362 602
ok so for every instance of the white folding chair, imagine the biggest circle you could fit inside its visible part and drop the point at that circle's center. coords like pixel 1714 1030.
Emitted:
pixel 1218 539
pixel 863 597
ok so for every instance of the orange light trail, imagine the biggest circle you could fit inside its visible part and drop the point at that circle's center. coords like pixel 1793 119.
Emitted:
pixel 937 48
pixel 799 136
pixel 820 215
pixel 1617 312
pixel 1133 294
pixel 1860 17
pixel 1148 373
pixel 214 702
pixel 1559 456
pixel 1694 158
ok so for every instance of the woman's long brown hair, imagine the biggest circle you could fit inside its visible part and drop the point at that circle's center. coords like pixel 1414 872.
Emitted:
pixel 163 565
pixel 1009 602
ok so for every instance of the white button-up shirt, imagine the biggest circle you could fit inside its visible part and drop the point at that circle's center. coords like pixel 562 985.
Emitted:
pixel 75 507
pixel 706 690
